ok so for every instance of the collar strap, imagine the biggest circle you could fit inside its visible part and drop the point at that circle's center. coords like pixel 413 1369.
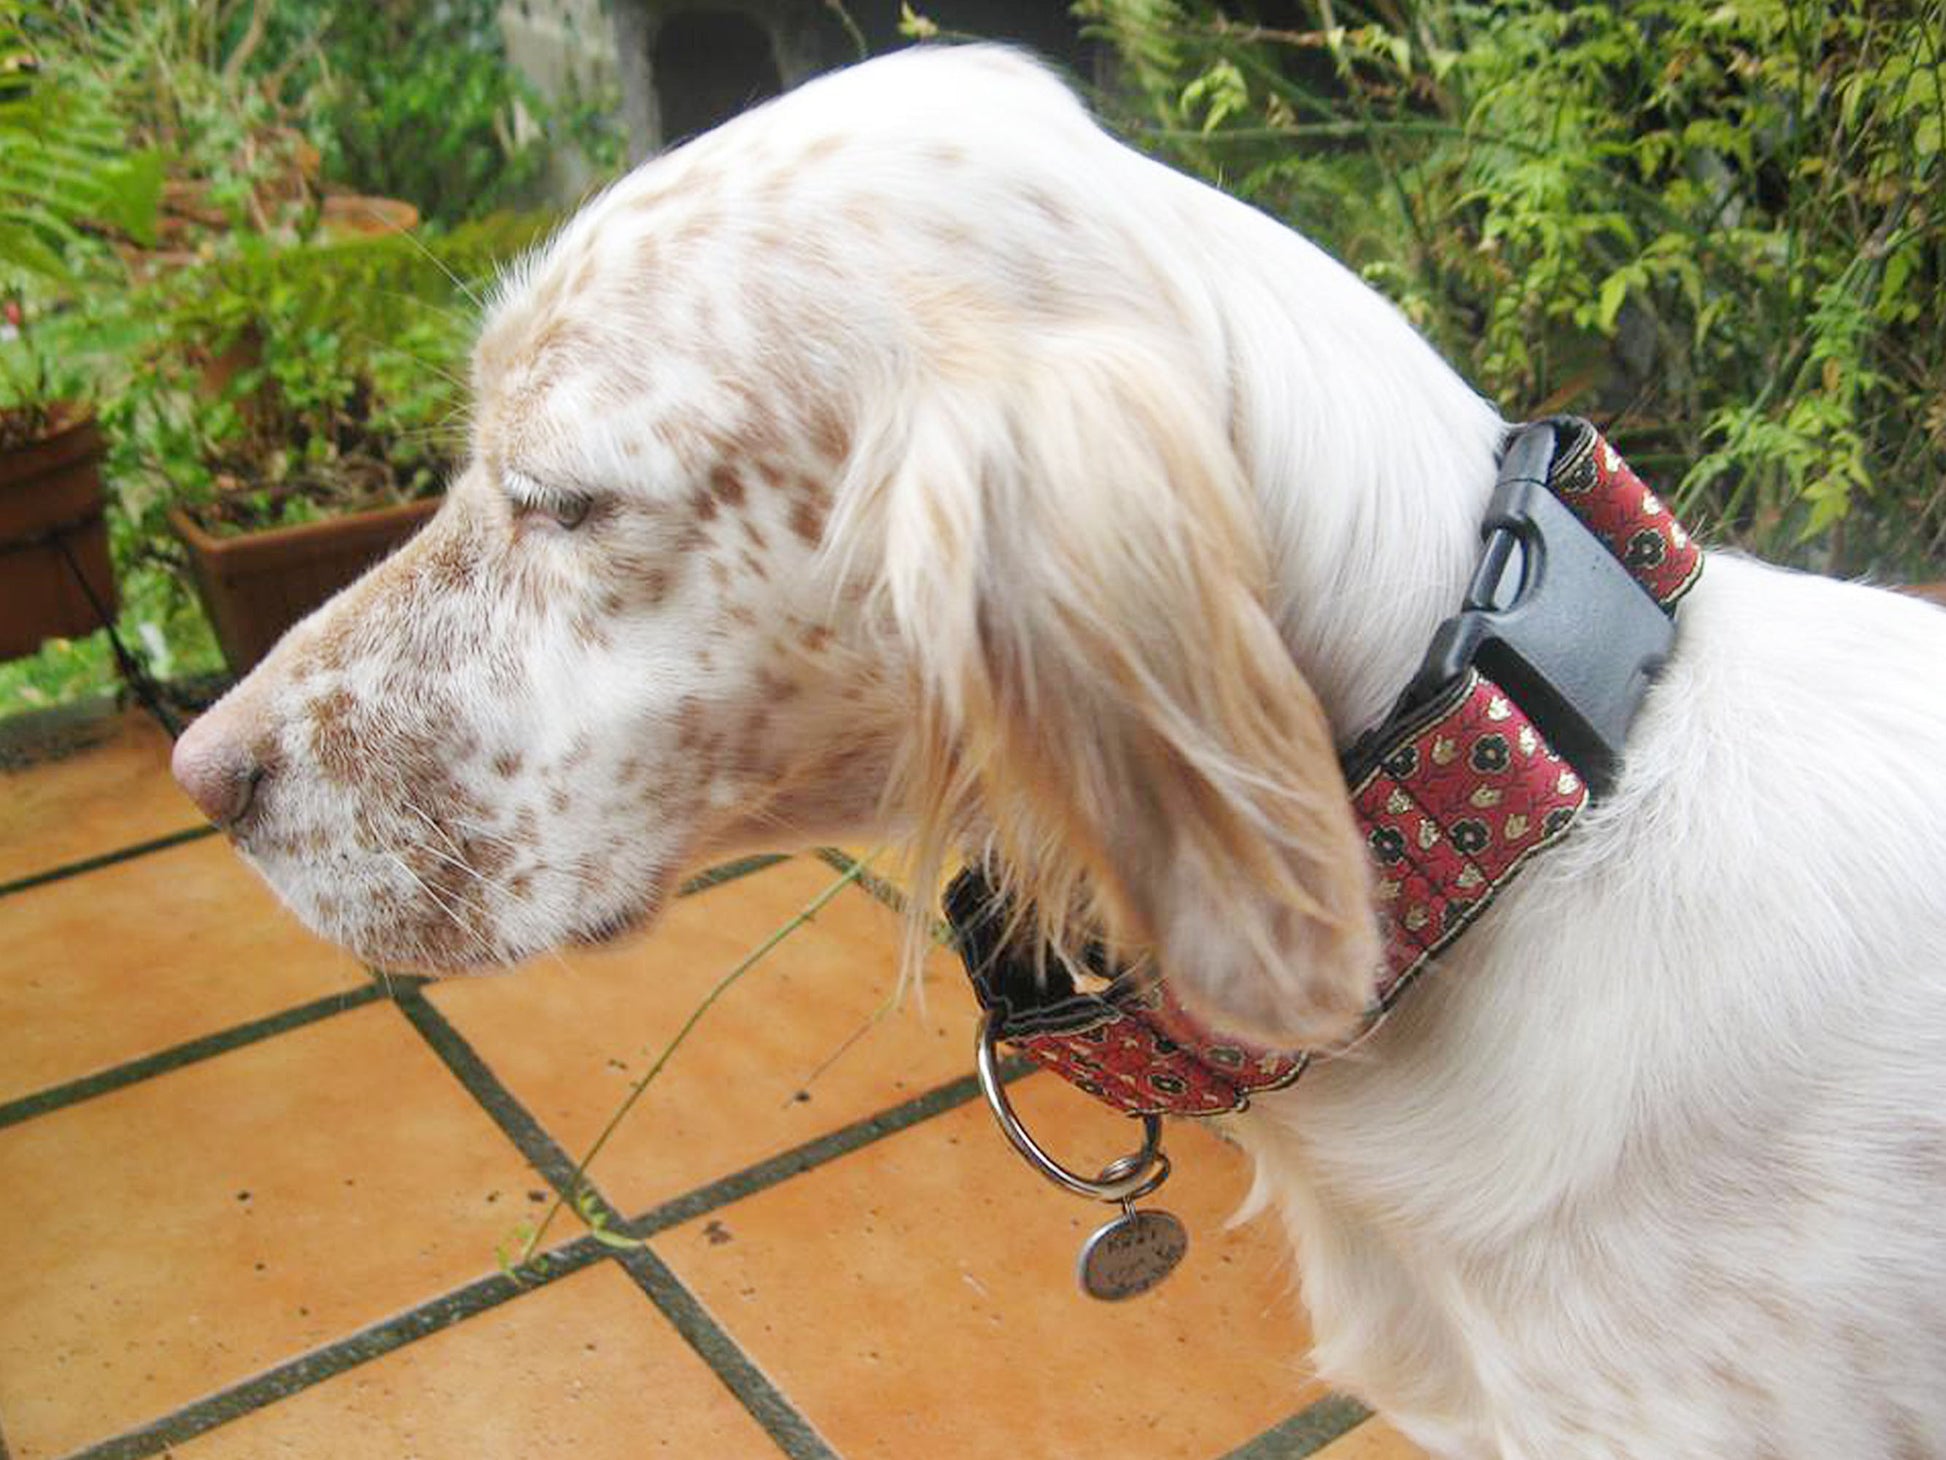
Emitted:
pixel 1516 718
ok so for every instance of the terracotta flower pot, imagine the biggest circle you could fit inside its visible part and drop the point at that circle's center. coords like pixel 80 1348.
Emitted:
pixel 51 499
pixel 351 215
pixel 254 587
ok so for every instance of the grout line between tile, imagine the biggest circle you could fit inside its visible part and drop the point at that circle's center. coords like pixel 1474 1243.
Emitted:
pixel 105 859
pixel 336 1358
pixel 394 986
pixel 542 1151
pixel 1306 1432
pixel 781 1420
pixel 764 1401
pixel 736 1370
pixel 740 1375
pixel 191 1052
pixel 813 1153
pixel 729 872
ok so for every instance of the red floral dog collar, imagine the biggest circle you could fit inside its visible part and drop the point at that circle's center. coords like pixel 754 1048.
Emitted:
pixel 1469 779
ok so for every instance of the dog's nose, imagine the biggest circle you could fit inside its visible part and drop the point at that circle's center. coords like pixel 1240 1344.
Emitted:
pixel 218 770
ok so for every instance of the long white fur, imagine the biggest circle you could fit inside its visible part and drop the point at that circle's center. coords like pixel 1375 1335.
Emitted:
pixel 1654 1165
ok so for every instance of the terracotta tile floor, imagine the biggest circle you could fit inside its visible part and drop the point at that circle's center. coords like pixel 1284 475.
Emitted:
pixel 256 1197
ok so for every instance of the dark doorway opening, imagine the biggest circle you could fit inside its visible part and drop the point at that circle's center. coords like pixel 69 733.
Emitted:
pixel 710 65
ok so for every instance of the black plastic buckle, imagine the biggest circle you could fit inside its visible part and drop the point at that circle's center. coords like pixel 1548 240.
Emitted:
pixel 1554 619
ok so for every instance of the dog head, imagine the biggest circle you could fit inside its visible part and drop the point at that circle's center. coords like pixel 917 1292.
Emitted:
pixel 862 466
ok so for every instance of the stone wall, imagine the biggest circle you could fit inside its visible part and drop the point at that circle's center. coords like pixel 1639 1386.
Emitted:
pixel 679 66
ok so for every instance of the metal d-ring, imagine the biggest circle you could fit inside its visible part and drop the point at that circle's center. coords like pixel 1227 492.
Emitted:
pixel 1122 1180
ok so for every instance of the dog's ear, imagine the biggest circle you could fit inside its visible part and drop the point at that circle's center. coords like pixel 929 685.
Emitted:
pixel 1073 569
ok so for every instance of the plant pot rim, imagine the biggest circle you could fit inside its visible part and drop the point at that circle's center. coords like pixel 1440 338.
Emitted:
pixel 265 539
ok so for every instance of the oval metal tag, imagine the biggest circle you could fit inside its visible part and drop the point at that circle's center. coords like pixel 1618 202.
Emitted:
pixel 1130 1255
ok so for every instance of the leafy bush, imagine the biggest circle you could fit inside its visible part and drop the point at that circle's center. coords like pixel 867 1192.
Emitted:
pixel 259 376
pixel 287 384
pixel 412 99
pixel 171 75
pixel 1717 226
pixel 65 161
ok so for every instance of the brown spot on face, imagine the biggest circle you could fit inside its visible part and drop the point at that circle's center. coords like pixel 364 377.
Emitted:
pixel 558 800
pixel 488 858
pixel 830 435
pixel 815 637
pixel 689 723
pixel 521 883
pixel 807 522
pixel 507 764
pixel 754 566
pixel 775 687
pixel 590 630
pixel 726 486
pixel 705 506
pixel 336 741
pixel 557 336
pixel 755 534
pixel 757 432
pixel 824 147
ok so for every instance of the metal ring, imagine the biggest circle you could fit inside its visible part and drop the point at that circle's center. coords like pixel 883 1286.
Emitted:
pixel 1123 1166
pixel 1123 1179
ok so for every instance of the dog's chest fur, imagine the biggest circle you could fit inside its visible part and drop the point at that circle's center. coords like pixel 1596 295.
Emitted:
pixel 1638 1172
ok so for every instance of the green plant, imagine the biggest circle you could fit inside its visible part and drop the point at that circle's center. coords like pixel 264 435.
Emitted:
pixel 1718 226
pixel 412 100
pixel 70 183
pixel 266 386
pixel 178 80
pixel 67 171
pixel 37 397
pixel 293 383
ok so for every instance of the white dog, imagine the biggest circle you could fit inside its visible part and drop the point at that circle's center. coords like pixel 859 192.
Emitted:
pixel 907 455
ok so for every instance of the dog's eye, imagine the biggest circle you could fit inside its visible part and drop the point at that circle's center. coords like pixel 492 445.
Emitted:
pixel 566 509
pixel 569 509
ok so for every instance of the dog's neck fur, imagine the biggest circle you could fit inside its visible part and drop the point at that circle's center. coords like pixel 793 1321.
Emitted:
pixel 1355 434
